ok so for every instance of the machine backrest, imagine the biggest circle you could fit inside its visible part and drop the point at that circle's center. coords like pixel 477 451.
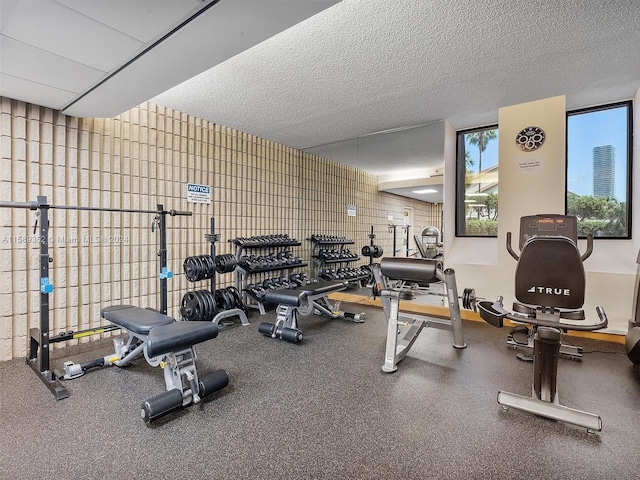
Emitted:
pixel 550 273
pixel 421 248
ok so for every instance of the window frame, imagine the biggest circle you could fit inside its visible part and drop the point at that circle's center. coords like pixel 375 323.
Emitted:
pixel 629 161
pixel 460 211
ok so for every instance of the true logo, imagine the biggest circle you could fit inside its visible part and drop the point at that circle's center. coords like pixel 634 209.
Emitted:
pixel 550 291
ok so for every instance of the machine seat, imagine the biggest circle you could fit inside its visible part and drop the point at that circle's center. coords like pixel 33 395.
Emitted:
pixel 295 296
pixel 135 319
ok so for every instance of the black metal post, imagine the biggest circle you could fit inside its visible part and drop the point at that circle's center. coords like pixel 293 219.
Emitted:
pixel 392 228
pixel 162 253
pixel 38 358
pixel 212 239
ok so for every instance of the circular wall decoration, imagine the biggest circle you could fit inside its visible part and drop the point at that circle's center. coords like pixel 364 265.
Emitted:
pixel 530 139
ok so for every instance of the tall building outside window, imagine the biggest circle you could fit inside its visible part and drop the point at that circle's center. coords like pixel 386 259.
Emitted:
pixel 604 171
pixel 599 169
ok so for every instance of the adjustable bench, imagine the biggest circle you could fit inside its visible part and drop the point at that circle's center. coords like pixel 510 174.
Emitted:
pixel 304 300
pixel 163 342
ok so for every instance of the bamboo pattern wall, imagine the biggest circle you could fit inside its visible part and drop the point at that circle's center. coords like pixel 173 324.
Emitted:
pixel 138 160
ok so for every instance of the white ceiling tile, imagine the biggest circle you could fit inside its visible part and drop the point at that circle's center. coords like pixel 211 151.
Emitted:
pixel 141 19
pixel 223 31
pixel 37 93
pixel 53 27
pixel 6 7
pixel 24 61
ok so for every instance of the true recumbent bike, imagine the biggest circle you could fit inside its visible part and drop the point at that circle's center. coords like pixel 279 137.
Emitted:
pixel 549 292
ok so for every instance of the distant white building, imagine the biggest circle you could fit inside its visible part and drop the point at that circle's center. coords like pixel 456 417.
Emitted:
pixel 604 171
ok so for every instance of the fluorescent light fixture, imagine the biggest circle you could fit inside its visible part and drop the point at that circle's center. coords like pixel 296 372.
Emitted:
pixel 478 194
pixel 426 190
pixel 469 201
pixel 477 205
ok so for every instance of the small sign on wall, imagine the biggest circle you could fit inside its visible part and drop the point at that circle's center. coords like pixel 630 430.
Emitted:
pixel 198 193
pixel 390 216
pixel 351 210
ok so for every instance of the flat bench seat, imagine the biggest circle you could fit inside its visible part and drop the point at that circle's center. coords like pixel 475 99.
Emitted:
pixel 163 333
pixel 135 319
pixel 294 296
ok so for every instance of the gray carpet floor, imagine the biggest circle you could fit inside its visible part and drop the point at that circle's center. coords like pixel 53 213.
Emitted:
pixel 322 409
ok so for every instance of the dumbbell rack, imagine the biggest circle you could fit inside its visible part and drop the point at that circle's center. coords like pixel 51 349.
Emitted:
pixel 319 262
pixel 273 244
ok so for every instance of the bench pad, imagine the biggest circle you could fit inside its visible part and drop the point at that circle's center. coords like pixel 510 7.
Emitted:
pixel 295 296
pixel 179 335
pixel 135 319
pixel 421 270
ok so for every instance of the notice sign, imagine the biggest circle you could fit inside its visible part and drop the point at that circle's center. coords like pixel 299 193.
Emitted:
pixel 351 210
pixel 198 193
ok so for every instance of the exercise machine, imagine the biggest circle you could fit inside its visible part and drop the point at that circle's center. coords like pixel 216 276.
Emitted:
pixel 402 328
pixel 312 297
pixel 549 292
pixel 632 340
pixel 429 243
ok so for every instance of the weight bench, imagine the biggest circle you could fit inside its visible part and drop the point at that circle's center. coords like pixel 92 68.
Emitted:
pixel 549 291
pixel 163 342
pixel 302 301
pixel 403 329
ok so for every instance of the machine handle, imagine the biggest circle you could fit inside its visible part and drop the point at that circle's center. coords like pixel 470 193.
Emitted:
pixel 175 213
pixel 510 250
pixel 587 254
pixel 602 316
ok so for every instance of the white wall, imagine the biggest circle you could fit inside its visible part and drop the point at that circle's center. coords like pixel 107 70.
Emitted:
pixel 484 264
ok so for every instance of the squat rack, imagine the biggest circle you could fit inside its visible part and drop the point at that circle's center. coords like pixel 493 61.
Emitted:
pixel 39 339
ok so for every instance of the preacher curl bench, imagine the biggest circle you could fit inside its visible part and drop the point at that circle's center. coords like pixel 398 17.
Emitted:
pixel 403 329
pixel 549 291
pixel 163 342
pixel 302 301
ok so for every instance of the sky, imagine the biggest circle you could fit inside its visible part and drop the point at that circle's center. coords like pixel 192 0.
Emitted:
pixel 605 127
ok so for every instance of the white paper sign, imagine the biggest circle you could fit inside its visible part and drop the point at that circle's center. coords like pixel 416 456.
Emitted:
pixel 198 193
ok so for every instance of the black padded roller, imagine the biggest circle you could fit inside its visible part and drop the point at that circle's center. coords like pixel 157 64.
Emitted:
pixel 420 270
pixel 266 328
pixel 292 335
pixel 213 382
pixel 160 405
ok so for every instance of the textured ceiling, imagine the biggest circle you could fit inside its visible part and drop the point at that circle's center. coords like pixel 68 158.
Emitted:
pixel 364 66
pixel 330 83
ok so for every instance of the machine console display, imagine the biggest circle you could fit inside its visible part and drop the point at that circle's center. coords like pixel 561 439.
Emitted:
pixel 548 225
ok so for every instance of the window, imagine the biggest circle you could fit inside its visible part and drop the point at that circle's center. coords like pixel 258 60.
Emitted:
pixel 477 183
pixel 599 170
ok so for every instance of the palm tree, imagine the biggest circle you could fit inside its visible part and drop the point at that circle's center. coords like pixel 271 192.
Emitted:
pixel 481 139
